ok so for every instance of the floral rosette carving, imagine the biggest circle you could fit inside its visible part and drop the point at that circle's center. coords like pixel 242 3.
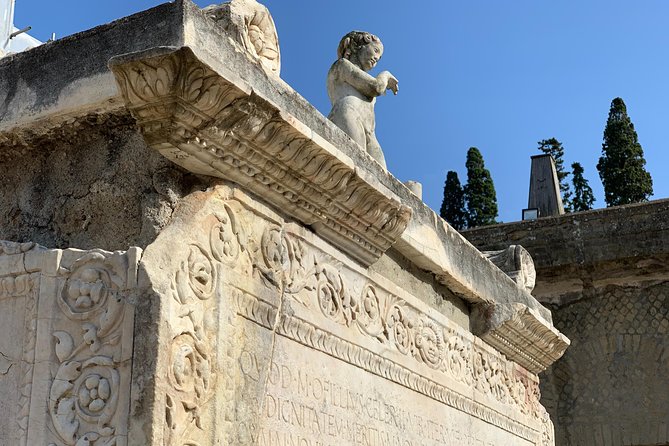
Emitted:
pixel 83 399
pixel 491 378
pixel 498 382
pixel 196 276
pixel 275 256
pixel 458 357
pixel 401 329
pixel 518 395
pixel 93 280
pixel 369 315
pixel 482 373
pixel 191 371
pixel 84 395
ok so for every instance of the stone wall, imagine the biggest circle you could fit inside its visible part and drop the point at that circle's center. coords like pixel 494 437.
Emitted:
pixel 610 388
pixel 77 185
pixel 604 275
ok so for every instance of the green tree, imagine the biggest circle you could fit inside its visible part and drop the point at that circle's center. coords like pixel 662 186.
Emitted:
pixel 554 148
pixel 480 193
pixel 621 166
pixel 583 197
pixel 453 205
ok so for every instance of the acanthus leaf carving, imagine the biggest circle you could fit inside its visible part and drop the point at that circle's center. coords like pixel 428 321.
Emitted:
pixel 192 372
pixel 87 384
pixel 228 236
pixel 12 286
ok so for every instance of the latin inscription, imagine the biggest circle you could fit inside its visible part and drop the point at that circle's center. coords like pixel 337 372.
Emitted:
pixel 325 402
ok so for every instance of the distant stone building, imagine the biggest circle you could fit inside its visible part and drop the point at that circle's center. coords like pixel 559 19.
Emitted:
pixel 605 275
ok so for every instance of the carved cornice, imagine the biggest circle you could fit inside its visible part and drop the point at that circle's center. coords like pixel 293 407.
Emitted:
pixel 216 126
pixel 526 338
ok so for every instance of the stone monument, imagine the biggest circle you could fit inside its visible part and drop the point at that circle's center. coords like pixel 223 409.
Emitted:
pixel 200 258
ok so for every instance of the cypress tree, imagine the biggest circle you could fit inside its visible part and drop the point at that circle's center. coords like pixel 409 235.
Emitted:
pixel 479 192
pixel 583 197
pixel 453 206
pixel 621 166
pixel 554 148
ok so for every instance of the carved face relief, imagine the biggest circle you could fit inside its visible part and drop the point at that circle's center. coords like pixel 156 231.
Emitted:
pixel 369 55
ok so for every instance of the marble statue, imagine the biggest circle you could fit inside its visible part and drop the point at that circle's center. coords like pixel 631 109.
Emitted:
pixel 353 91
pixel 251 26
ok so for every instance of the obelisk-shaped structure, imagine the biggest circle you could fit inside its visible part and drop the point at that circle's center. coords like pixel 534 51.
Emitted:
pixel 545 187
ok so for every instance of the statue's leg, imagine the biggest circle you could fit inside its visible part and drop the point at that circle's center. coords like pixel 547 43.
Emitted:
pixel 374 149
pixel 349 122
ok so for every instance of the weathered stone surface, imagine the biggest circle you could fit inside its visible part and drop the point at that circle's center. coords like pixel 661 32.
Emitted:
pixel 218 126
pixel 610 387
pixel 28 95
pixel 517 263
pixel 605 274
pixel 577 252
pixel 251 26
pixel 88 184
pixel 65 358
pixel 309 345
pixel 427 242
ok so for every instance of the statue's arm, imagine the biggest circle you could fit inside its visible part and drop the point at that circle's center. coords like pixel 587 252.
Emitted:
pixel 366 84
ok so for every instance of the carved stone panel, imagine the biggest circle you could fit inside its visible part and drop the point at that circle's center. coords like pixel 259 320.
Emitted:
pixel 272 336
pixel 66 346
pixel 18 315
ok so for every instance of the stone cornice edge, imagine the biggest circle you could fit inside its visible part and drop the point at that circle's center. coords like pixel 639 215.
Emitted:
pixel 217 126
pixel 527 339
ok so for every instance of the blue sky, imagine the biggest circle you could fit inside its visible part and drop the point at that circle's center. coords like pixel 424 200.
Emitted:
pixel 496 75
